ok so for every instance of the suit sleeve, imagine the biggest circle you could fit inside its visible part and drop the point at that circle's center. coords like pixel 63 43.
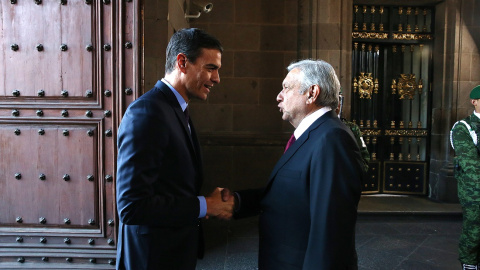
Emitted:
pixel 143 188
pixel 335 187
pixel 249 203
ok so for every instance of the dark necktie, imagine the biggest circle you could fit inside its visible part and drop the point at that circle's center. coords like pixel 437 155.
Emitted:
pixel 290 142
pixel 187 115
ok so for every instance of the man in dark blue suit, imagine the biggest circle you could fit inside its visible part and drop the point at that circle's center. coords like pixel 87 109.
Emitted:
pixel 159 167
pixel 308 209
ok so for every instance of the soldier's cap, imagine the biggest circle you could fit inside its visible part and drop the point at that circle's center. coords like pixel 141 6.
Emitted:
pixel 475 94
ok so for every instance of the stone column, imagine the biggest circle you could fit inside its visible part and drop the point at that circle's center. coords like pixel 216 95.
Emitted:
pixel 457 70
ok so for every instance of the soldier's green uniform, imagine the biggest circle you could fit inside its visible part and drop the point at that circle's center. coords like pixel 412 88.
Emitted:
pixel 358 136
pixel 356 132
pixel 467 173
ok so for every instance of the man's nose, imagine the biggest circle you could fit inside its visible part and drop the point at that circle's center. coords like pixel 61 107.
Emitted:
pixel 279 97
pixel 216 77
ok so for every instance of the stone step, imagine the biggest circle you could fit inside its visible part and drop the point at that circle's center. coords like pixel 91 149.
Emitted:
pixel 407 207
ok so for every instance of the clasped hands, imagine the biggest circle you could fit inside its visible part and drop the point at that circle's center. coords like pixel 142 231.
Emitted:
pixel 220 204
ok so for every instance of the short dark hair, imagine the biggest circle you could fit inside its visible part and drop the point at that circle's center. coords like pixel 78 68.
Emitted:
pixel 189 41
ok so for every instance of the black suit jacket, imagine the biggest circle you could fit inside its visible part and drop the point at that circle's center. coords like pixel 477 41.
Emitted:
pixel 159 176
pixel 308 209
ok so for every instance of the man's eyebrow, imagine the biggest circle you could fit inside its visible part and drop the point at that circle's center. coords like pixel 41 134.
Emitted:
pixel 212 66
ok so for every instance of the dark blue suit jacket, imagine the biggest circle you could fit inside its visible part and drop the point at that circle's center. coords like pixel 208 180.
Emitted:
pixel 159 175
pixel 308 209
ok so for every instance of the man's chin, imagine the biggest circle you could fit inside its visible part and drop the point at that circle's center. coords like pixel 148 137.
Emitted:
pixel 202 97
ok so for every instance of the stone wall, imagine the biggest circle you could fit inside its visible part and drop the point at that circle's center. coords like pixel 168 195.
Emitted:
pixel 241 130
pixel 240 127
pixel 457 71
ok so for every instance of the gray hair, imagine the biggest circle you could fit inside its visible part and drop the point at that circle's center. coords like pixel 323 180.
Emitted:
pixel 321 73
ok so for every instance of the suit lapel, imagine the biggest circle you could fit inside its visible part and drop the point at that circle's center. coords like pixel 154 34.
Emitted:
pixel 172 100
pixel 295 147
pixel 196 146
pixel 289 154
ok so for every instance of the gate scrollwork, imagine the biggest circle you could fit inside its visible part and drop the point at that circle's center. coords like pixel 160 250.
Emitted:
pixel 406 86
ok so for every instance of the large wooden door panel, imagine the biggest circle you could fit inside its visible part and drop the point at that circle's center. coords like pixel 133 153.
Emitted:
pixel 40 52
pixel 53 181
pixel 69 69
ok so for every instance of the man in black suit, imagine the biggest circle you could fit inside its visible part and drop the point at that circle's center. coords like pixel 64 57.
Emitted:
pixel 308 209
pixel 159 173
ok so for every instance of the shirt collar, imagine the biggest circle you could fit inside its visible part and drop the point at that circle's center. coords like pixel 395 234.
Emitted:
pixel 179 97
pixel 308 121
pixel 476 114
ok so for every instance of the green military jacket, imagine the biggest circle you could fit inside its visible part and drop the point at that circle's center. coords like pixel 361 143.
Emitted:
pixel 358 136
pixel 467 160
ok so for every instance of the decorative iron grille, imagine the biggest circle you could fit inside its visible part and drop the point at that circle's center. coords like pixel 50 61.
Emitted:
pixel 391 75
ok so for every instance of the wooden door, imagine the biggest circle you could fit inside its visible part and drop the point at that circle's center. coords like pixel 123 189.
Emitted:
pixel 68 69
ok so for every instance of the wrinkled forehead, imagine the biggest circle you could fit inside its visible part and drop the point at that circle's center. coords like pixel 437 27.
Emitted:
pixel 293 77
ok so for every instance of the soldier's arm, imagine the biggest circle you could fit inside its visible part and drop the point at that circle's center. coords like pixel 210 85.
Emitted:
pixel 365 153
pixel 465 150
pixel 361 144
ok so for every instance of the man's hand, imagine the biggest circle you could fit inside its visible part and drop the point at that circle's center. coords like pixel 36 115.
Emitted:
pixel 226 194
pixel 220 205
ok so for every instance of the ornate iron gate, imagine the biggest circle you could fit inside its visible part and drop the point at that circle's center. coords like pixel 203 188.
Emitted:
pixel 391 75
pixel 64 65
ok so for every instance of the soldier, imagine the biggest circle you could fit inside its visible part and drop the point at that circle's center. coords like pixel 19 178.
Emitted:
pixel 463 138
pixel 356 132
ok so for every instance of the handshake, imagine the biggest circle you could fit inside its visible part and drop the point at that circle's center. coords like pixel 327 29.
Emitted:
pixel 220 204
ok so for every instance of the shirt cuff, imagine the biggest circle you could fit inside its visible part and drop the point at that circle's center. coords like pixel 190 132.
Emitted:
pixel 203 206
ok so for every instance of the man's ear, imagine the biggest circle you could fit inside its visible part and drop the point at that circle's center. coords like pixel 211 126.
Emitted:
pixel 182 62
pixel 312 94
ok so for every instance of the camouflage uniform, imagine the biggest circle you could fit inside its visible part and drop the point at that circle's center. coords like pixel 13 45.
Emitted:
pixel 467 173
pixel 358 136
